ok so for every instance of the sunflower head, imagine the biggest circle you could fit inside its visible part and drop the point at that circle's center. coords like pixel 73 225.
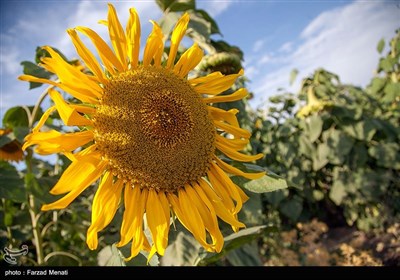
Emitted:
pixel 148 134
pixel 11 150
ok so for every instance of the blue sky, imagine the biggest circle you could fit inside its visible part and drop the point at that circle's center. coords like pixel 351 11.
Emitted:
pixel 276 36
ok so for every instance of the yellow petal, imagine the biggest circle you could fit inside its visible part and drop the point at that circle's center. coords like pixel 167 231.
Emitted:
pixel 105 205
pixel 225 116
pixel 133 37
pixel 68 114
pixel 80 182
pixel 87 56
pixel 235 131
pixel 233 170
pixel 236 155
pixel 235 144
pixel 214 83
pixel 52 141
pixel 107 56
pixel 139 241
pixel 158 220
pixel 154 48
pixel 232 189
pixel 117 36
pixel 177 35
pixel 219 207
pixel 83 95
pixel 209 218
pixel 188 60
pixel 237 95
pixel 70 75
pixel 42 121
pixel 76 172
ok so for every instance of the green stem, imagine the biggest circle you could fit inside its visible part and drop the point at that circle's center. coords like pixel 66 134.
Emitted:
pixel 37 237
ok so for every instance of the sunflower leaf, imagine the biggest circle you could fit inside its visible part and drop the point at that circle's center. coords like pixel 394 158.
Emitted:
pixel 11 184
pixel 33 69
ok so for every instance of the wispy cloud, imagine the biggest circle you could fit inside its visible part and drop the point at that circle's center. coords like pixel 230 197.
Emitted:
pixel 342 40
pixel 214 8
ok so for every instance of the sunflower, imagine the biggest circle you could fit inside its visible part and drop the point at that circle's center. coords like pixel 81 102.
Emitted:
pixel 12 150
pixel 148 134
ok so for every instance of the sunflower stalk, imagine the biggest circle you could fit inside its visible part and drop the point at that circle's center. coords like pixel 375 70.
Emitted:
pixel 34 215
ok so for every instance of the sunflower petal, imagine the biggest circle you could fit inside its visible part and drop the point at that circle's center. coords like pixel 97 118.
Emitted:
pixel 237 95
pixel 87 56
pixel 76 172
pixel 117 36
pixel 177 35
pixel 189 59
pixel 219 207
pixel 70 75
pixel 68 114
pixel 225 116
pixel 236 131
pixel 236 155
pixel 154 46
pixel 209 218
pixel 79 183
pixel 157 220
pixel 133 37
pixel 236 144
pixel 105 205
pixel 52 141
pixel 235 171
pixel 107 56
pixel 215 83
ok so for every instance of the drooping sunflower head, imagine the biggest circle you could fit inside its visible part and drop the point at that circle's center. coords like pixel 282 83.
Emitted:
pixel 148 134
pixel 12 149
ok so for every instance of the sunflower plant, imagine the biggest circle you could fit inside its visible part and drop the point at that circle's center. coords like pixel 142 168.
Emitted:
pixel 152 145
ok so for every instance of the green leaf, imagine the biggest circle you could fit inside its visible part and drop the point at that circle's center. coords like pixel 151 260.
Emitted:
pixel 184 251
pixel 265 184
pixel 392 92
pixel 213 23
pixel 237 240
pixel 337 192
pixel 176 5
pixel 314 127
pixel 252 210
pixel 381 45
pixel 292 208
pixel 200 27
pixel 320 157
pixel 110 256
pixel 6 138
pixel 15 117
pixel 362 130
pixel 377 85
pixel 20 133
pixel 305 145
pixel 11 184
pixel 168 21
pixel 293 75
pixel 274 198
pixel 386 154
pixel 33 69
pixel 245 255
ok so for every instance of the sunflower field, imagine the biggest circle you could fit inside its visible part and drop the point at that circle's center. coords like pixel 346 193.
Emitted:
pixel 159 160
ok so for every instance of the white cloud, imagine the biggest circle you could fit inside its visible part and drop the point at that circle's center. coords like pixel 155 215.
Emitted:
pixel 214 8
pixel 29 31
pixel 258 45
pixel 286 47
pixel 342 40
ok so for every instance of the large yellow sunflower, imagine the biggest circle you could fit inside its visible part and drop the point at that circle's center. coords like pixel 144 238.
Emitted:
pixel 148 132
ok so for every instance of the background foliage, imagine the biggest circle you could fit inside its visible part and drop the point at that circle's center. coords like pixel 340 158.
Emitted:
pixel 332 161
